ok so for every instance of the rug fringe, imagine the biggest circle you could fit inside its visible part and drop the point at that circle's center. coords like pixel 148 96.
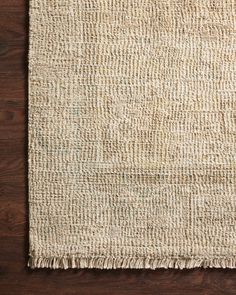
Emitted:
pixel 135 263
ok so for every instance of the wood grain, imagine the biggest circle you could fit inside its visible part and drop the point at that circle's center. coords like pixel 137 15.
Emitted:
pixel 15 277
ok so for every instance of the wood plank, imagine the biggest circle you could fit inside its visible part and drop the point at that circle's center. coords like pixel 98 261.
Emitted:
pixel 13 87
pixel 12 57
pixel 13 27
pixel 12 123
pixel 13 5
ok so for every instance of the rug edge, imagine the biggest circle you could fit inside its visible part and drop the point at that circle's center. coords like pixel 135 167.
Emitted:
pixel 130 263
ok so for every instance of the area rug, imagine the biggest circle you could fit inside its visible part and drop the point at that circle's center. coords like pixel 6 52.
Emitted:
pixel 132 133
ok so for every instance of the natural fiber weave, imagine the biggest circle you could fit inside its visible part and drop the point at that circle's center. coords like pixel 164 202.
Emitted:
pixel 132 133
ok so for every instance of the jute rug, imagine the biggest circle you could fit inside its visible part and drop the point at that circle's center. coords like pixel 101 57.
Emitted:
pixel 132 133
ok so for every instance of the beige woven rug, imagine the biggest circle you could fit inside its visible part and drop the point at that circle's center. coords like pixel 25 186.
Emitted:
pixel 132 133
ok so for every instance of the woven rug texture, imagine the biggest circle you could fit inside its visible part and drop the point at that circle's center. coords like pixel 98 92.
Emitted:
pixel 132 133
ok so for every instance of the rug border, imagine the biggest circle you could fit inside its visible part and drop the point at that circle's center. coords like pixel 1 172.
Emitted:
pixel 130 263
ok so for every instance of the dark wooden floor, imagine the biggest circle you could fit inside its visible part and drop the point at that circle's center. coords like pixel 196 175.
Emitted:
pixel 15 277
